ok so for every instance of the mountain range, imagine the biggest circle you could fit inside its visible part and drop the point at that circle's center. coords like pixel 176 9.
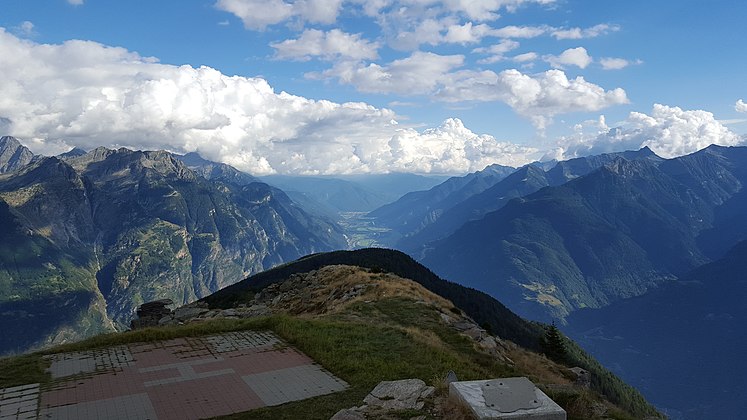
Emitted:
pixel 614 233
pixel 89 237
pixel 440 211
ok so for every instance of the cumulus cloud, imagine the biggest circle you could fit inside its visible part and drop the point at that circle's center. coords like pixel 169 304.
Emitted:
pixel 419 74
pixel 578 57
pixel 538 97
pixel 468 33
pixel 740 106
pixel 330 45
pixel 520 31
pixel 609 63
pixel 411 35
pixel 525 58
pixel 578 33
pixel 25 29
pixel 487 9
pixel 668 131
pixel 259 14
pixel 85 94
pixel 496 52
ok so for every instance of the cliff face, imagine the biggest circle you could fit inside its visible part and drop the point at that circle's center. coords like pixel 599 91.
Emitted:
pixel 90 237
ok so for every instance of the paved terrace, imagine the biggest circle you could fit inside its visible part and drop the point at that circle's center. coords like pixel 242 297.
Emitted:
pixel 186 378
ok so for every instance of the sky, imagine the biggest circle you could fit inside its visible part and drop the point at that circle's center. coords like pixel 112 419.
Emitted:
pixel 322 87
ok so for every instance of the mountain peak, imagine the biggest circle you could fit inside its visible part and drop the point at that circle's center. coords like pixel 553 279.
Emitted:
pixel 629 168
pixel 72 153
pixel 13 155
pixel 214 170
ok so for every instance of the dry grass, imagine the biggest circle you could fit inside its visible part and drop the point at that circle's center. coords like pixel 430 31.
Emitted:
pixel 337 280
pixel 426 337
pixel 539 368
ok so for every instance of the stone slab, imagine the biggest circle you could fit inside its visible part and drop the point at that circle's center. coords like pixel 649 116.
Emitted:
pixel 128 407
pixel 291 384
pixel 19 402
pixel 186 378
pixel 470 393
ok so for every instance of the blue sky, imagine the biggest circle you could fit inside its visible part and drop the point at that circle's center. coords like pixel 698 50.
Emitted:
pixel 441 86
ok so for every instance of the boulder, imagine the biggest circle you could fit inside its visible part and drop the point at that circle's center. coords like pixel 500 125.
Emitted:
pixel 405 394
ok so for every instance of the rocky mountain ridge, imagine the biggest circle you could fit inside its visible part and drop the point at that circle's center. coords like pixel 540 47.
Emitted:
pixel 115 228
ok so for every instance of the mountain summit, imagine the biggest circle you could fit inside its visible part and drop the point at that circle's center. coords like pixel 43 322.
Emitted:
pixel 13 155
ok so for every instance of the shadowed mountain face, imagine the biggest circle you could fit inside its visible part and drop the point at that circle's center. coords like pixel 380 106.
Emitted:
pixel 612 234
pixel 417 209
pixel 426 216
pixel 682 344
pixel 114 228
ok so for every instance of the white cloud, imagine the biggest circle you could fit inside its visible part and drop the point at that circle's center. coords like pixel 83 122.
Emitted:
pixel 259 14
pixel 452 145
pixel 496 52
pixel 538 97
pixel 578 57
pixel 26 27
pixel 526 57
pixel 326 45
pixel 668 131
pixel 578 33
pixel 75 2
pixel 740 106
pixel 419 74
pixel 609 63
pixel 426 31
pixel 484 10
pixel 85 94
pixel 520 31
pixel 467 33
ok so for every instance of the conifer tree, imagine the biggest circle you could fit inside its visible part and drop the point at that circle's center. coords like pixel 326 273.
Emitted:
pixel 553 344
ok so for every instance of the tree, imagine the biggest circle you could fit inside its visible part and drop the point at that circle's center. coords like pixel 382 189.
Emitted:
pixel 553 344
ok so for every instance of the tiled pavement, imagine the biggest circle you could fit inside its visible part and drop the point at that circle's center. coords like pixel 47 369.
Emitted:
pixel 187 378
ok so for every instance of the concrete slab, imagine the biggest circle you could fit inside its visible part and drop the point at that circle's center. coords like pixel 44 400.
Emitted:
pixel 69 364
pixel 127 407
pixel 292 384
pixel 510 394
pixel 472 395
pixel 181 379
pixel 19 402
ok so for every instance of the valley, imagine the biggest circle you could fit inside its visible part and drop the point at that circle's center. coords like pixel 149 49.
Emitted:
pixel 361 231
